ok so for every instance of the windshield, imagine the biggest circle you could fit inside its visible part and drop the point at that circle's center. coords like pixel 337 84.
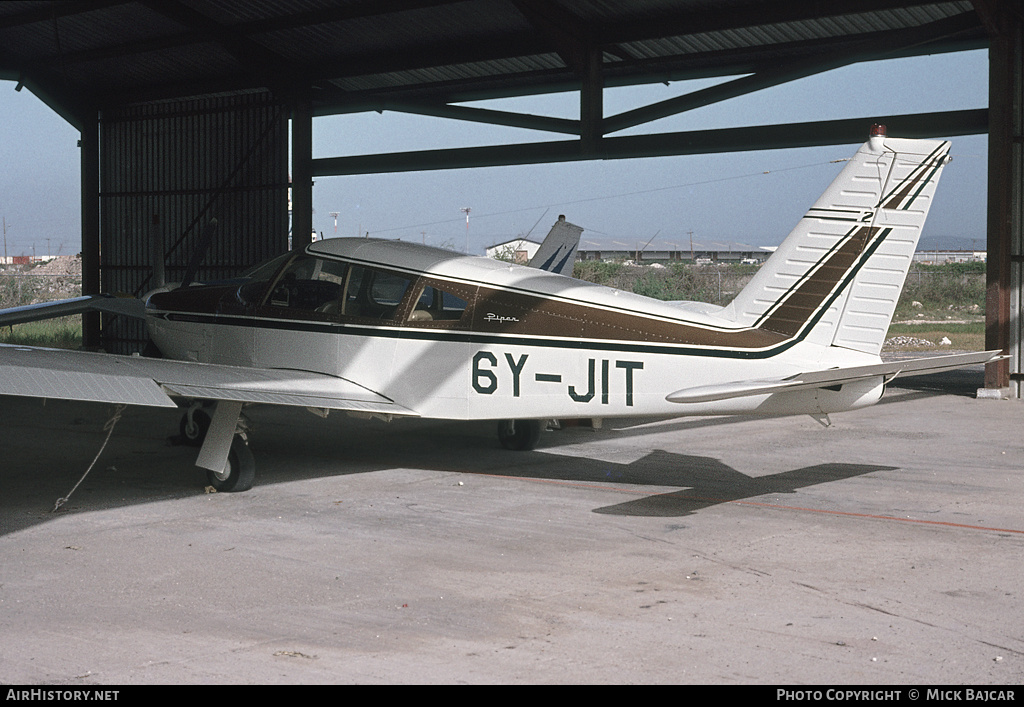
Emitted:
pixel 268 268
pixel 258 279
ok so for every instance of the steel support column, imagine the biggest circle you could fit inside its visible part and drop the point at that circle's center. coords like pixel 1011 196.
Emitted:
pixel 302 174
pixel 592 106
pixel 90 187
pixel 1005 197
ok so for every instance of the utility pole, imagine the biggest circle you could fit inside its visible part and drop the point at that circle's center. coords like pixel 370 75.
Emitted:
pixel 466 211
pixel 5 240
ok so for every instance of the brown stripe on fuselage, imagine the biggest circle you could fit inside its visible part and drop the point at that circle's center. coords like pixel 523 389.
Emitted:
pixel 516 313
pixel 794 311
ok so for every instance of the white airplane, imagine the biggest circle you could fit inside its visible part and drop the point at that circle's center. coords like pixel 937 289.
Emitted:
pixel 392 329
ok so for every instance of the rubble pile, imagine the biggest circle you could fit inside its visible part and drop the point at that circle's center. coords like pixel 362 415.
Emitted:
pixel 62 266
pixel 60 278
pixel 897 342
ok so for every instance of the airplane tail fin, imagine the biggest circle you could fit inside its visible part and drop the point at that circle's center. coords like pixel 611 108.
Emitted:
pixel 558 251
pixel 836 278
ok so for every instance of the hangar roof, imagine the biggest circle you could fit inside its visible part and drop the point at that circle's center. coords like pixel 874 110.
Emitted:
pixel 370 54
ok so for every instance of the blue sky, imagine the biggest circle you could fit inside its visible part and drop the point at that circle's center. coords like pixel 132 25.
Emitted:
pixel 750 197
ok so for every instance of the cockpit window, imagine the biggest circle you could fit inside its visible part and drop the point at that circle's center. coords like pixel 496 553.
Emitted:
pixel 374 293
pixel 296 282
pixel 297 285
pixel 437 305
pixel 440 305
pixel 309 284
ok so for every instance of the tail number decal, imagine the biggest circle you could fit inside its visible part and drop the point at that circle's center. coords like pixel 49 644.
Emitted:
pixel 487 371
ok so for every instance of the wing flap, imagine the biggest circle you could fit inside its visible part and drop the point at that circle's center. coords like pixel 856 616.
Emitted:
pixel 342 400
pixel 830 377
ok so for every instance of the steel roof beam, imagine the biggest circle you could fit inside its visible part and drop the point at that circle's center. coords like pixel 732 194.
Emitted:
pixel 487 115
pixel 879 45
pixel 763 137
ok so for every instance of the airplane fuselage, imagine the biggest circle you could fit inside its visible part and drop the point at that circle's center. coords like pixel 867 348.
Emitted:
pixel 458 337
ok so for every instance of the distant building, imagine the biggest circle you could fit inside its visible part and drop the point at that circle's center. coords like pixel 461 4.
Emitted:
pixel 520 250
pixel 25 259
pixel 938 257
pixel 672 251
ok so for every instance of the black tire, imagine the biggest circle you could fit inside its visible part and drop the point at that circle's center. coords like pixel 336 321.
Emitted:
pixel 240 471
pixel 194 434
pixel 519 435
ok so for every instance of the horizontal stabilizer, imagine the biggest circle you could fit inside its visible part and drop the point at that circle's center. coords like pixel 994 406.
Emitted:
pixel 830 377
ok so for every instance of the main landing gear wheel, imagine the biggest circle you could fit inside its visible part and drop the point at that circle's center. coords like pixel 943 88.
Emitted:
pixel 240 471
pixel 519 435
pixel 193 428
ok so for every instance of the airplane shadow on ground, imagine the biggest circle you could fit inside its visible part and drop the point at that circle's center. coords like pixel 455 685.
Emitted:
pixel 711 483
pixel 138 468
pixel 702 481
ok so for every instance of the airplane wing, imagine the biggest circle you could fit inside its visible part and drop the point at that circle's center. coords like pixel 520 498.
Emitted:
pixel 133 380
pixel 830 377
pixel 128 306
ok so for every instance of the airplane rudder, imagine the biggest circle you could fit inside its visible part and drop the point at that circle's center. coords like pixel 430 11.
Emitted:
pixel 899 219
pixel 836 278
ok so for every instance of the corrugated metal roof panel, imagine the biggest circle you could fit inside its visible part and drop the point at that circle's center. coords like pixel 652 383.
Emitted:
pixel 452 72
pixel 424 27
pixel 136 51
pixel 781 33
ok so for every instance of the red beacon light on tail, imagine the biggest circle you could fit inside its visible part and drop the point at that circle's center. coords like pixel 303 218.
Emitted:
pixel 877 130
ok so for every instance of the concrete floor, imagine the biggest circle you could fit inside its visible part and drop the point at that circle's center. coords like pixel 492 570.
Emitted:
pixel 886 549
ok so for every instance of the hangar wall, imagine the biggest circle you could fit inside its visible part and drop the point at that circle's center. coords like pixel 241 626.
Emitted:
pixel 167 170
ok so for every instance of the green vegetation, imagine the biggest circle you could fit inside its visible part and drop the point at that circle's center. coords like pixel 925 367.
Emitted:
pixel 598 271
pixel 506 254
pixel 61 333
pixel 679 282
pixel 669 281
pixel 941 291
